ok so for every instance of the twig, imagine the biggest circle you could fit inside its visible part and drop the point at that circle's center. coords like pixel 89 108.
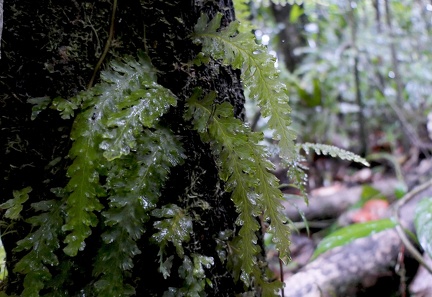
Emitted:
pixel 358 94
pixel 1 22
pixel 255 120
pixel 409 246
pixel 107 46
pixel 282 276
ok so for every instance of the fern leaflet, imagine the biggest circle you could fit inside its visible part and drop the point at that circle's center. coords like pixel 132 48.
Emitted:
pixel 113 117
pixel 245 170
pixel 259 74
pixel 135 182
pixel 40 244
pixel 332 151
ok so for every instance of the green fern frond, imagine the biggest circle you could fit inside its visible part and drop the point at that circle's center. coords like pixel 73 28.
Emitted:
pixel 41 243
pixel 332 151
pixel 175 227
pixel 283 2
pixel 83 186
pixel 14 206
pixel 243 13
pixel 142 108
pixel 246 172
pixel 192 272
pixel 259 75
pixel 134 182
pixel 115 114
pixel 297 173
pixel 268 288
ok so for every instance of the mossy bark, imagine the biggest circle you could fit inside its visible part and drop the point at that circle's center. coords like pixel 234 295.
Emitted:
pixel 50 49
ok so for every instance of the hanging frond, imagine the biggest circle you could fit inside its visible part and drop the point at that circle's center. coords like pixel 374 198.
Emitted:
pixel 127 101
pixel 333 151
pixel 40 244
pixel 134 182
pixel 246 172
pixel 259 74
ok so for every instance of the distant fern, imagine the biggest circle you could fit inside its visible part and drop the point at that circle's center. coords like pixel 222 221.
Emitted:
pixel 333 151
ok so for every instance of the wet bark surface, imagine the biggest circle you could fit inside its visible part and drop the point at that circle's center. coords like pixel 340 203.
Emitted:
pixel 50 49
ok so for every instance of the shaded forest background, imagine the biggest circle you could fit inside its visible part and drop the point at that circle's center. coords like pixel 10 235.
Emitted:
pixel 359 78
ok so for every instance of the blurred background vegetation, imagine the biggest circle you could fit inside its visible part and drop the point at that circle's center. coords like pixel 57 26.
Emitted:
pixel 358 72
pixel 359 77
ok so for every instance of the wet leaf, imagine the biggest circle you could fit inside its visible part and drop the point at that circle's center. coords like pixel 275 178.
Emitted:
pixel 350 233
pixel 423 224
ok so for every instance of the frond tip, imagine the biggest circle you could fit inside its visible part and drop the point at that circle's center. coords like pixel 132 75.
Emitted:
pixel 333 151
pixel 259 74
pixel 246 172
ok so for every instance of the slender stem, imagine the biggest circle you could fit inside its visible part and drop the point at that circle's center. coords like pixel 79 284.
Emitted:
pixel 281 276
pixel 399 228
pixel 395 62
pixel 359 99
pixel 107 45
pixel 1 22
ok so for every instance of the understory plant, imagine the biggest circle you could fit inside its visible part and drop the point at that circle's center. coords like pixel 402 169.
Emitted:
pixel 122 154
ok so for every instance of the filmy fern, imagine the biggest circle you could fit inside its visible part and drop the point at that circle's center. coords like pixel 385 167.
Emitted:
pixel 192 271
pixel 245 170
pixel 175 226
pixel 135 183
pixel 14 206
pixel 108 126
pixel 333 151
pixel 117 137
pixel 259 74
pixel 40 246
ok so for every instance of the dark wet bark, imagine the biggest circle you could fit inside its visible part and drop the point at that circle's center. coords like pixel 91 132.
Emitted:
pixel 50 49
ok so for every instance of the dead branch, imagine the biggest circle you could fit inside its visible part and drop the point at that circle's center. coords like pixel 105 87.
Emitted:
pixel 334 204
pixel 343 270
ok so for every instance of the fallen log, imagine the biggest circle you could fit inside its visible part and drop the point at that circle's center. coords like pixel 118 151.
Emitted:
pixel 333 203
pixel 345 270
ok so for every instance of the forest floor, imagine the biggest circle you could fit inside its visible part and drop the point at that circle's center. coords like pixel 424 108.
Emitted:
pixel 341 195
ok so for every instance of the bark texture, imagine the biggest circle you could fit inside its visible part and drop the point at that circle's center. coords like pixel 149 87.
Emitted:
pixel 50 49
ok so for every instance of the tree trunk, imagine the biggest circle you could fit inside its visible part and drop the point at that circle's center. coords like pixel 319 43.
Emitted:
pixel 50 49
pixel 290 35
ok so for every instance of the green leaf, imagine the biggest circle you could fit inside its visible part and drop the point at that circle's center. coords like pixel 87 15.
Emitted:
pixel 295 13
pixel 332 151
pixel 39 104
pixel 259 74
pixel 246 172
pixel 350 233
pixel 175 227
pixel 14 206
pixel 423 224
pixel 368 193
pixel 41 244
